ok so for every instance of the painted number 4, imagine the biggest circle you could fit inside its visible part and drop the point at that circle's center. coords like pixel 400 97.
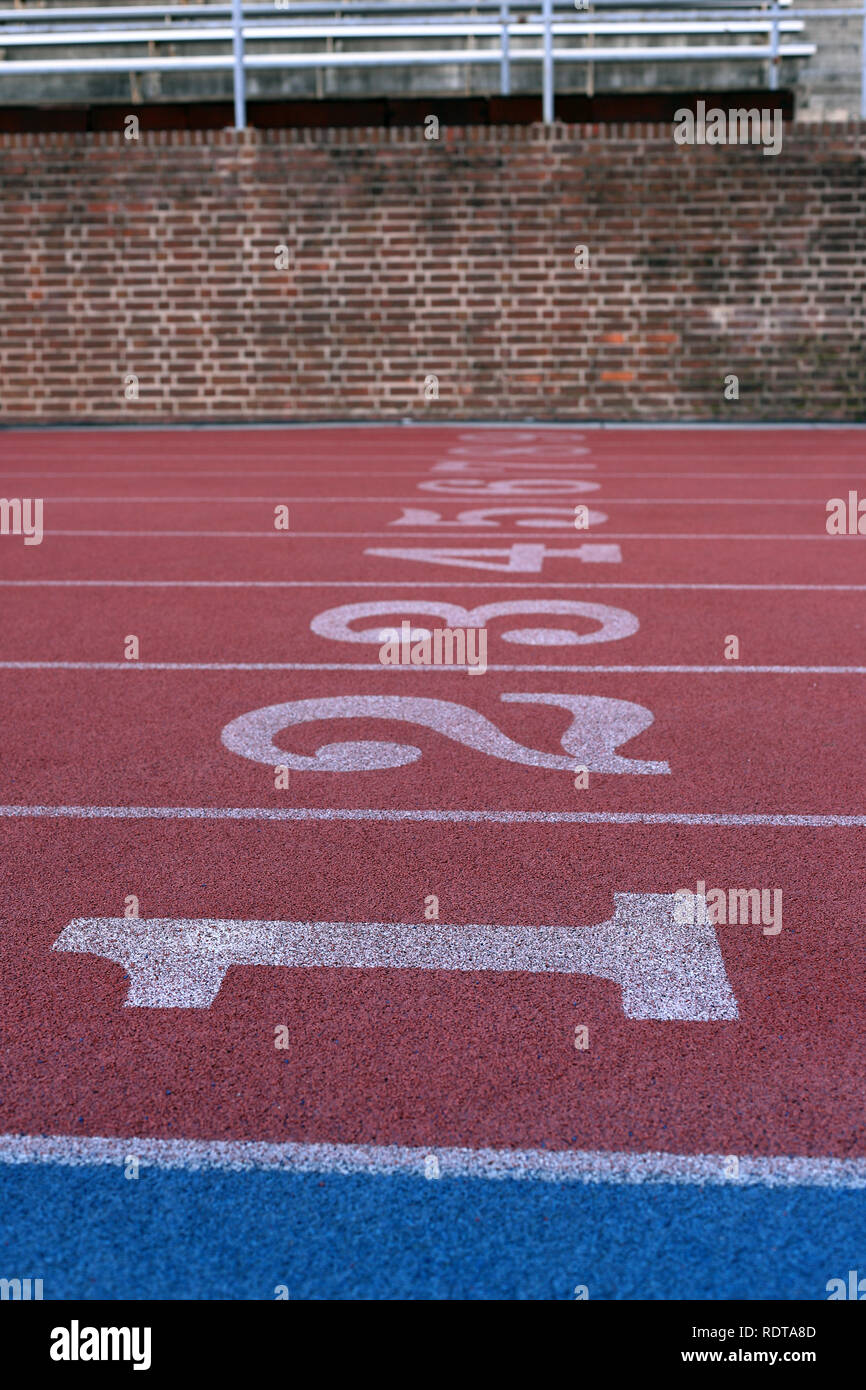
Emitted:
pixel 513 559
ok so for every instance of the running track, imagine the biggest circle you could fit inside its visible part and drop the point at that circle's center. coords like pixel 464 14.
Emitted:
pixel 432 1130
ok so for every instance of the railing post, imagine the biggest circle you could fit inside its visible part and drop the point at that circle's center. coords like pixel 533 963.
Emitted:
pixel 240 77
pixel 774 48
pixel 547 66
pixel 504 65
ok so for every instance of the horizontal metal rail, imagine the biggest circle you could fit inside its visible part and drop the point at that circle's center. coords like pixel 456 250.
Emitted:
pixel 41 13
pixel 236 25
pixel 400 57
pixel 375 29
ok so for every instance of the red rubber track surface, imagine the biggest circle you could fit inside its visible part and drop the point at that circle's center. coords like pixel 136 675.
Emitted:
pixel 430 1057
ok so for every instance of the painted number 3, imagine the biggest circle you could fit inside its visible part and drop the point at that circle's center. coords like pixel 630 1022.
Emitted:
pixel 598 725
pixel 613 624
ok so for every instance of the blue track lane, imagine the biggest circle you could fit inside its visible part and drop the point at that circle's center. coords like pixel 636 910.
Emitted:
pixel 91 1233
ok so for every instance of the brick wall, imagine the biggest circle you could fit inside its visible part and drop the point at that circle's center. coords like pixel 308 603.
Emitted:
pixel 412 258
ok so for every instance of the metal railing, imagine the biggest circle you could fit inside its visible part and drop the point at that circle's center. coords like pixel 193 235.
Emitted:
pixel 233 27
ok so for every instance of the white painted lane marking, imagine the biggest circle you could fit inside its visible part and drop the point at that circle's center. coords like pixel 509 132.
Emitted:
pixel 497 488
pixel 613 624
pixel 450 530
pixel 369 813
pixel 525 558
pixel 401 431
pixel 413 583
pixel 598 726
pixel 698 501
pixel 665 969
pixel 423 469
pixel 398 1160
pixel 597 670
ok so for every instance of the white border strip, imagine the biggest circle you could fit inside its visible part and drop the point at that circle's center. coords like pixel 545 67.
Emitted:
pixel 587 1166
pixel 300 471
pixel 596 670
pixel 467 498
pixel 524 422
pixel 365 813
pixel 406 584
pixel 453 531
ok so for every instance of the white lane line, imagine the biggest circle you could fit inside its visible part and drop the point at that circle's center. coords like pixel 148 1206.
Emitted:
pixel 398 1160
pixel 408 583
pixel 665 969
pixel 465 497
pixel 453 531
pixel 403 429
pixel 338 813
pixel 377 666
pixel 421 473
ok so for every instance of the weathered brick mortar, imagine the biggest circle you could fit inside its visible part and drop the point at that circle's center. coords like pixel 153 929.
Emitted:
pixel 412 257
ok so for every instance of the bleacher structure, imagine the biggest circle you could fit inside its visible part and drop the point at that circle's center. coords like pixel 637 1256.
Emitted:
pixel 324 49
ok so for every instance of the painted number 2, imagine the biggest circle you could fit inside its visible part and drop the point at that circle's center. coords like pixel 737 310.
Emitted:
pixel 598 726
